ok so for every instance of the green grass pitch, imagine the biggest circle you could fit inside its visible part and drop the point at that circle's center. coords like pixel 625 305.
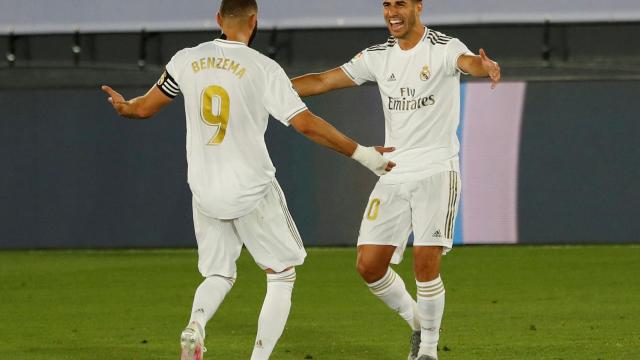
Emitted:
pixel 578 302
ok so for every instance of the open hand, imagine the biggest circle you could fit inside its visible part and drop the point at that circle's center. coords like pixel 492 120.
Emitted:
pixel 491 67
pixel 115 98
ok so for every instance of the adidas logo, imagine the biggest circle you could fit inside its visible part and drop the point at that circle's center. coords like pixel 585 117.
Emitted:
pixel 437 234
pixel 392 77
pixel 259 344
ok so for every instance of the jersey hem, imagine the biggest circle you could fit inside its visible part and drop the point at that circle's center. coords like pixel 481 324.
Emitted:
pixel 233 215
pixel 391 179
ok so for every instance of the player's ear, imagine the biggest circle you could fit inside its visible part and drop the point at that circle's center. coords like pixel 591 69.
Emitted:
pixel 253 20
pixel 219 19
pixel 419 6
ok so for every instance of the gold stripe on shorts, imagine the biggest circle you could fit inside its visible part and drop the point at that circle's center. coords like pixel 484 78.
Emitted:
pixel 287 215
pixel 455 204
pixel 453 198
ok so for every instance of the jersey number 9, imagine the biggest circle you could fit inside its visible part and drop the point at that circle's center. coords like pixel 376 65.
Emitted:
pixel 215 111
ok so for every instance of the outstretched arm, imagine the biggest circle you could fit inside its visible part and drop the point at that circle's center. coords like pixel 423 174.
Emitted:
pixel 320 83
pixel 480 66
pixel 142 107
pixel 323 133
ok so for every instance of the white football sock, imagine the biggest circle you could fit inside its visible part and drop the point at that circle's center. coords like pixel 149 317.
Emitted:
pixel 392 291
pixel 430 308
pixel 274 313
pixel 208 298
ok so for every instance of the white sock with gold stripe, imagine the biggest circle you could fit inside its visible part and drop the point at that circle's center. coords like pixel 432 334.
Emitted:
pixel 208 298
pixel 274 313
pixel 392 291
pixel 430 307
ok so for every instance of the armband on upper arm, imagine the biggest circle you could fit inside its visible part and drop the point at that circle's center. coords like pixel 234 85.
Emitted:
pixel 168 85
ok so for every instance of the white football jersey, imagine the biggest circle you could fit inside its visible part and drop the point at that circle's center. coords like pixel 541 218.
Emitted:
pixel 420 90
pixel 229 91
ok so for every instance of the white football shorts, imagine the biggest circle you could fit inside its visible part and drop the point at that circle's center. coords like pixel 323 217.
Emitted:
pixel 427 207
pixel 268 233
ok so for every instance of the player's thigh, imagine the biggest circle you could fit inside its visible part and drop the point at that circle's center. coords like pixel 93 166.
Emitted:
pixel 434 207
pixel 387 219
pixel 218 245
pixel 270 234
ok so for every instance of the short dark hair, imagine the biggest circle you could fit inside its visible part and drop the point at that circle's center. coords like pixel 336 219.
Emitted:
pixel 237 7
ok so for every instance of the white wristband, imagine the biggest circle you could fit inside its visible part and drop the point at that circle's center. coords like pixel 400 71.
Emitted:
pixel 371 159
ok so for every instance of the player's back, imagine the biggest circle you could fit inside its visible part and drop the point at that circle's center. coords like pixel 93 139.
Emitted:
pixel 229 90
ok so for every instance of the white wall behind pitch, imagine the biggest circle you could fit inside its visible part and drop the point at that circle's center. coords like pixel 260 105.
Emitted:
pixel 46 16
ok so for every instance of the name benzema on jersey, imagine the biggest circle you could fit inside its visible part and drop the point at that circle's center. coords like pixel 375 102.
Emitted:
pixel 220 63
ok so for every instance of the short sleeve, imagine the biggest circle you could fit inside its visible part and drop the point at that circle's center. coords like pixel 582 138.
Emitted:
pixel 358 70
pixel 280 99
pixel 454 49
pixel 167 82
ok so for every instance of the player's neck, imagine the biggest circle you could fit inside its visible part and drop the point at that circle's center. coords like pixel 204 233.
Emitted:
pixel 412 38
pixel 237 36
pixel 242 39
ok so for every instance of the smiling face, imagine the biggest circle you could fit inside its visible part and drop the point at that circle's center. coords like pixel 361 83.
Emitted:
pixel 402 16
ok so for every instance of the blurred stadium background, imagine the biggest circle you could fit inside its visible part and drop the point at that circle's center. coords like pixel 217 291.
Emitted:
pixel 550 157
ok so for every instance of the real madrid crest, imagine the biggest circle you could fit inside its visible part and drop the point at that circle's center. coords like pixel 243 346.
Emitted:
pixel 425 74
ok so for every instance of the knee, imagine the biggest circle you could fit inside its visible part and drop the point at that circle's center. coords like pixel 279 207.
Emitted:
pixel 426 272
pixel 426 262
pixel 370 272
pixel 285 278
pixel 214 279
